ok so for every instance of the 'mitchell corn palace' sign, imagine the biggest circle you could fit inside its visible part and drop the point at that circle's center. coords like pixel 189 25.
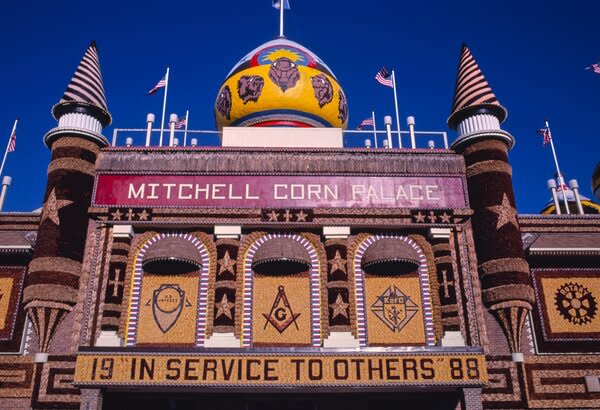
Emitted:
pixel 279 191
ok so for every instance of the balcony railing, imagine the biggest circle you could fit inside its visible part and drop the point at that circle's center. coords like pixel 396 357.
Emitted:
pixel 137 137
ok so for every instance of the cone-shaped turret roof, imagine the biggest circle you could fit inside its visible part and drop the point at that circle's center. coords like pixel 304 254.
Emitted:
pixel 85 92
pixel 472 92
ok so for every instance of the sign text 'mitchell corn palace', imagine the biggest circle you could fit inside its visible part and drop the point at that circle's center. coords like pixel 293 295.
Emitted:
pixel 280 191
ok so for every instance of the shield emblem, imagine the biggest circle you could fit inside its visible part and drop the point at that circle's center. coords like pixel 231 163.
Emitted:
pixel 167 304
pixel 394 308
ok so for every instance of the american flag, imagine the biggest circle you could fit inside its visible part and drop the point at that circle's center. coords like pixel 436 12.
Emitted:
pixel 594 67
pixel 277 4
pixel 545 132
pixel 365 123
pixel 562 187
pixel 12 142
pixel 161 84
pixel 180 123
pixel 383 77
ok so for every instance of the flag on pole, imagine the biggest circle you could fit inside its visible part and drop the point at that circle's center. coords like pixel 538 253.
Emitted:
pixel 12 142
pixel 383 77
pixel 277 4
pixel 180 123
pixel 545 133
pixel 161 84
pixel 594 67
pixel 365 123
pixel 562 187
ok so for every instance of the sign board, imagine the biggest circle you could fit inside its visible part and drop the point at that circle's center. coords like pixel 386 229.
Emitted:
pixel 226 370
pixel 279 191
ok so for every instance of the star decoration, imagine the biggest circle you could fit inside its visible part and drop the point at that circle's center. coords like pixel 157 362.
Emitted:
pixel 432 217
pixel 143 215
pixel 301 216
pixel 273 216
pixel 419 217
pixel 445 218
pixel 52 207
pixel 506 213
pixel 224 307
pixel 226 264
pixel 287 215
pixel 337 263
pixel 116 216
pixel 340 307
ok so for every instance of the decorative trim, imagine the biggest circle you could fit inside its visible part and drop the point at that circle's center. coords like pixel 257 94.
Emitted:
pixel 57 132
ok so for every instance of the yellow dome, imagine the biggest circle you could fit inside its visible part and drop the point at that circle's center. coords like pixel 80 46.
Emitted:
pixel 281 83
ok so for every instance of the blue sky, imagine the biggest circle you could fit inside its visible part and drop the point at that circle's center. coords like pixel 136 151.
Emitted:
pixel 532 53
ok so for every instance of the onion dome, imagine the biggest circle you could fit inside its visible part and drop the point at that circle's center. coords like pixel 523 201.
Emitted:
pixel 281 256
pixel 171 255
pixel 588 206
pixel 85 92
pixel 281 84
pixel 472 92
pixel 389 256
pixel 596 181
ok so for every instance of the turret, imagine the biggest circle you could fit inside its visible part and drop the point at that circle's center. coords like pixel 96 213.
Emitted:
pixel 53 276
pixel 504 272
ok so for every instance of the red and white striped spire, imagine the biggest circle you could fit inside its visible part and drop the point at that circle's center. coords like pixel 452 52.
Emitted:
pixel 85 92
pixel 472 93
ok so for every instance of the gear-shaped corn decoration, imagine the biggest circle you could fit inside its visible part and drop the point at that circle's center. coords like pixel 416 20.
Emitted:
pixel 576 303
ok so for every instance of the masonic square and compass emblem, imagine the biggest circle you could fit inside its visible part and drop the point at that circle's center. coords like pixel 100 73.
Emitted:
pixel 168 302
pixel 281 315
pixel 394 308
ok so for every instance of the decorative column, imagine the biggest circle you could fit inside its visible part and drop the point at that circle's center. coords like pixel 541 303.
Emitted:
pixel 53 279
pixel 503 270
pixel 113 297
pixel 442 251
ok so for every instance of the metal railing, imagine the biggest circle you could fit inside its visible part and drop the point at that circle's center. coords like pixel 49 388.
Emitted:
pixel 378 139
pixel 352 138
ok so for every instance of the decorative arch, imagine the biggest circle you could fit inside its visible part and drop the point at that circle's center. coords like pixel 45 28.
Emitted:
pixel 359 275
pixel 315 287
pixel 136 287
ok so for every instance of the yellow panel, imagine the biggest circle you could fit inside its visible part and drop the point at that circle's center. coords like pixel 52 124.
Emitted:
pixel 6 289
pixel 281 310
pixel 394 311
pixel 572 304
pixel 168 309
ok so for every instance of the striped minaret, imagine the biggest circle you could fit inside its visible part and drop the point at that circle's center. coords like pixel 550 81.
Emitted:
pixel 53 276
pixel 503 270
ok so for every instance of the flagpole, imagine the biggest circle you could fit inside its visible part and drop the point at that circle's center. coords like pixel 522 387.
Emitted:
pixel 281 8
pixel 187 115
pixel 14 128
pixel 396 104
pixel 561 180
pixel 374 128
pixel 162 121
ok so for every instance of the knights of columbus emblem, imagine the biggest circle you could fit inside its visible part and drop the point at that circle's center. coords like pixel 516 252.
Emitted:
pixel 394 308
pixel 281 315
